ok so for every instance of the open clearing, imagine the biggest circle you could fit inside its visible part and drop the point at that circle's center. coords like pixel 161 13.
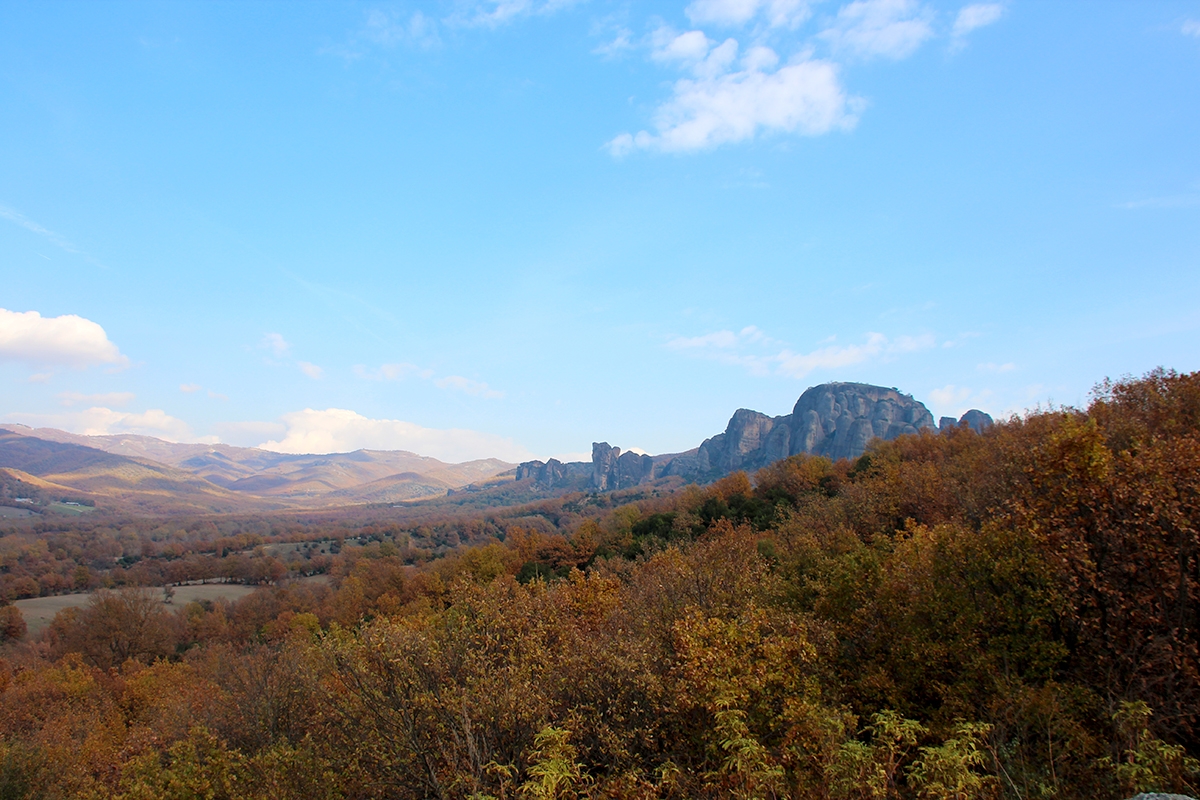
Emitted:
pixel 8 512
pixel 38 611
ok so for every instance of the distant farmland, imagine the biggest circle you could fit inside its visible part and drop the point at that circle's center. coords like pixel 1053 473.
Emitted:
pixel 38 611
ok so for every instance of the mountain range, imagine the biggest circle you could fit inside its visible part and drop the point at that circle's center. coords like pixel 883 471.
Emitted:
pixel 142 473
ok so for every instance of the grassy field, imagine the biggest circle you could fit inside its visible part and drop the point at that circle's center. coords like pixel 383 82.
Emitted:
pixel 8 512
pixel 38 611
pixel 72 509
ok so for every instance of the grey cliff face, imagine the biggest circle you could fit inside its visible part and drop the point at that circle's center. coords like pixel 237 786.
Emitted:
pixel 612 469
pixel 554 474
pixel 835 420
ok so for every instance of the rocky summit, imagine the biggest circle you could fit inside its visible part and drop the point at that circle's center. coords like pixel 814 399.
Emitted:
pixel 835 420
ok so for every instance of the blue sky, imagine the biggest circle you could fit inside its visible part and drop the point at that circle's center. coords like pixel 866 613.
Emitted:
pixel 513 228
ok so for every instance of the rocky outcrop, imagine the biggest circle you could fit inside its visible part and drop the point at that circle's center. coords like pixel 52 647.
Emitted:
pixel 974 419
pixel 835 420
pixel 554 474
pixel 612 469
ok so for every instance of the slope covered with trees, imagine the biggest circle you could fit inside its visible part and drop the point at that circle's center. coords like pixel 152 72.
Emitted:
pixel 1012 614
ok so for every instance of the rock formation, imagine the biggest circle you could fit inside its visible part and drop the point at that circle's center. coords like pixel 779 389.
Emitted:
pixel 974 419
pixel 612 469
pixel 835 420
pixel 554 474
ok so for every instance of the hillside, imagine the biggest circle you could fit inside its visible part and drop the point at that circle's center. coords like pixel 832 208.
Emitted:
pixel 146 474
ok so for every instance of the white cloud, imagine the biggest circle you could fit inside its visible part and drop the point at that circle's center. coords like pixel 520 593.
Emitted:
pixel 728 347
pixel 311 370
pixel 337 430
pixel 276 344
pixel 888 28
pixel 68 340
pixel 109 399
pixel 722 104
pixel 189 388
pixel 1191 27
pixel 690 48
pixel 99 421
pixel 976 16
pixel 777 13
pixel 467 386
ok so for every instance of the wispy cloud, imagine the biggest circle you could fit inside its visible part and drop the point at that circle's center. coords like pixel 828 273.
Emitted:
pixel 275 342
pixel 1191 27
pixel 467 386
pixel 618 40
pixel 729 347
pixel 1165 201
pixel 887 28
pixel 190 388
pixel 493 13
pixel 68 340
pixel 311 370
pixel 775 13
pixel 723 340
pixel 16 217
pixel 402 371
pixel 976 16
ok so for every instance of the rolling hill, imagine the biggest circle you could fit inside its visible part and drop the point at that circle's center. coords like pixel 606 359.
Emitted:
pixel 145 474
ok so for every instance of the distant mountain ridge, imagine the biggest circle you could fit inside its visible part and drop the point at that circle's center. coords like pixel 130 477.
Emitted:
pixel 152 474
